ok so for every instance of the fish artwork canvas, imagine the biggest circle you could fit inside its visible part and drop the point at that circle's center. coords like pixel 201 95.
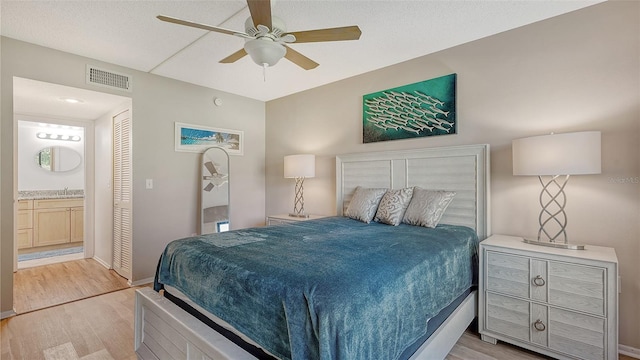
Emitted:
pixel 426 108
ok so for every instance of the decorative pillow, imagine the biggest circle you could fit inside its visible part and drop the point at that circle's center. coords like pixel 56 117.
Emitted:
pixel 393 205
pixel 364 204
pixel 427 206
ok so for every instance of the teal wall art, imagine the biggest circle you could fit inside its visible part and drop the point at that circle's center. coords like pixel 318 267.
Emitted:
pixel 426 108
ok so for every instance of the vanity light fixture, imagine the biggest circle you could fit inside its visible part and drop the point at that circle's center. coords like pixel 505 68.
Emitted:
pixel 42 135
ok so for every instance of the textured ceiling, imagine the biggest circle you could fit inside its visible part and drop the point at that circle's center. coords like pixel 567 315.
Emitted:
pixel 127 33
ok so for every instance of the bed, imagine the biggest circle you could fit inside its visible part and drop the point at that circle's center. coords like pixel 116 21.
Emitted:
pixel 343 288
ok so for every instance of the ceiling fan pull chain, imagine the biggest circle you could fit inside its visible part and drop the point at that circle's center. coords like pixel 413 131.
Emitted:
pixel 264 72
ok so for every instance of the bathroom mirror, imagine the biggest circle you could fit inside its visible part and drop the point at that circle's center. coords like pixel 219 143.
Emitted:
pixel 214 200
pixel 58 159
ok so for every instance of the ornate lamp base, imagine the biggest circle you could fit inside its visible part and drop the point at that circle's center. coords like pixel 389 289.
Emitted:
pixel 298 203
pixel 552 213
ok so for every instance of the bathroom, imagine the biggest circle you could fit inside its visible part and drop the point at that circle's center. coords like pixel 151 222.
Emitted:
pixel 50 164
pixel 62 166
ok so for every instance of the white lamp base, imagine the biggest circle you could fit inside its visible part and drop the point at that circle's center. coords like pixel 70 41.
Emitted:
pixel 554 244
pixel 298 215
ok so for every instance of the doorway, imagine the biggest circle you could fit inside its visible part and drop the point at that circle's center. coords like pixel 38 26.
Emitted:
pixel 64 214
pixel 51 183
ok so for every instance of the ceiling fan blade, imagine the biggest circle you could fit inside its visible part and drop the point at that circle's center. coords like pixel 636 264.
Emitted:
pixel 199 26
pixel 260 12
pixel 212 169
pixel 331 34
pixel 234 57
pixel 299 59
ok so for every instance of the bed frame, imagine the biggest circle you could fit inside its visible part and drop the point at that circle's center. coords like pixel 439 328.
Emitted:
pixel 165 331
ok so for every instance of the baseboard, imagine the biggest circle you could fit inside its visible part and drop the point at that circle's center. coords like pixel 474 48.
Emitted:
pixel 629 351
pixel 141 282
pixel 134 283
pixel 102 262
pixel 7 314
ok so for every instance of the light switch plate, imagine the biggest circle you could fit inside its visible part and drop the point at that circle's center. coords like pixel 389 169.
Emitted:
pixel 149 183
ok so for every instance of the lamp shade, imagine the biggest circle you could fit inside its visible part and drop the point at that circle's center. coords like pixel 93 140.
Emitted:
pixel 299 166
pixel 558 154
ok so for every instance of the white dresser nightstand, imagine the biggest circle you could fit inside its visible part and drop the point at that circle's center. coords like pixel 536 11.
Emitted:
pixel 558 302
pixel 285 218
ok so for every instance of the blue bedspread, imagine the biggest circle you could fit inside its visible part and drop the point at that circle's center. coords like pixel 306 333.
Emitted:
pixel 333 288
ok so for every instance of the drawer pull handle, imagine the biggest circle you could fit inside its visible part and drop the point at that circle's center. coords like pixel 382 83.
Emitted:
pixel 538 281
pixel 539 325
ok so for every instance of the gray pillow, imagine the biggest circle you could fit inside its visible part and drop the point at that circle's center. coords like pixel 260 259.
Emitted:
pixel 393 205
pixel 427 206
pixel 364 204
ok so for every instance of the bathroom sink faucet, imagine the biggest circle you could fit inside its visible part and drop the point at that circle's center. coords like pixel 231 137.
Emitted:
pixel 65 190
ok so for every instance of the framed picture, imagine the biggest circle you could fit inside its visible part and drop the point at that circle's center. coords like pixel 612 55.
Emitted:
pixel 197 138
pixel 426 108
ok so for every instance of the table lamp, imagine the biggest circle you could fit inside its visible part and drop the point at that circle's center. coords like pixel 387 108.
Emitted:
pixel 551 157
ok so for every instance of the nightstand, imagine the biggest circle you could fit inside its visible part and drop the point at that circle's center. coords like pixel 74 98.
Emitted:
pixel 558 302
pixel 285 218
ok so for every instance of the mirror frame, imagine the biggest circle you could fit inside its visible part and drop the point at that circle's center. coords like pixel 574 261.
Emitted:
pixel 38 159
pixel 214 174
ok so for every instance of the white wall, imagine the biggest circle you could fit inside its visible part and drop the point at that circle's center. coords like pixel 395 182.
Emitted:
pixel 169 210
pixel 30 175
pixel 579 71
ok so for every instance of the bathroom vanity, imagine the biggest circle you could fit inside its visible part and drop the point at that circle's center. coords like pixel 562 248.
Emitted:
pixel 50 221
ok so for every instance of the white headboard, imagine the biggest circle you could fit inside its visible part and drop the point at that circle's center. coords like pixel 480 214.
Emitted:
pixel 463 169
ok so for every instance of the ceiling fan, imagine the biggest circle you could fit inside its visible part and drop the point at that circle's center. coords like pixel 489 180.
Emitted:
pixel 267 37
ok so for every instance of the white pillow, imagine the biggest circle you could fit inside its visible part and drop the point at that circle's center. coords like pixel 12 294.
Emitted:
pixel 364 204
pixel 427 206
pixel 393 205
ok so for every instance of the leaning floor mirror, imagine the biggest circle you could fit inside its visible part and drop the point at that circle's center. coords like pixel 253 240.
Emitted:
pixel 214 199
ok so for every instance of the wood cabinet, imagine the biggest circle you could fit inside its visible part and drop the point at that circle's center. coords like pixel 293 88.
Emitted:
pixel 57 221
pixel 285 218
pixel 25 224
pixel 77 224
pixel 562 303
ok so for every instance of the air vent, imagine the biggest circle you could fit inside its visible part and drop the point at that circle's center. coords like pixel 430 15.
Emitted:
pixel 110 79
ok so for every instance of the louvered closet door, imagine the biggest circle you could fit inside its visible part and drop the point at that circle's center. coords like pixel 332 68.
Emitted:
pixel 122 209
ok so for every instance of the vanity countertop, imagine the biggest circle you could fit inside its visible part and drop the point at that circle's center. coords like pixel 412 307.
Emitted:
pixel 50 194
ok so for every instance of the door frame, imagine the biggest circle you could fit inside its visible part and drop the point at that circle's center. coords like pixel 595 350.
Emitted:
pixel 89 178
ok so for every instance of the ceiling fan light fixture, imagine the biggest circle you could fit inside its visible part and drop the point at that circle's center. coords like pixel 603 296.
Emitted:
pixel 265 51
pixel 266 37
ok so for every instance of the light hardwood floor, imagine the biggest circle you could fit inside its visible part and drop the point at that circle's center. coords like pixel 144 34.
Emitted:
pixel 101 327
pixel 44 286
